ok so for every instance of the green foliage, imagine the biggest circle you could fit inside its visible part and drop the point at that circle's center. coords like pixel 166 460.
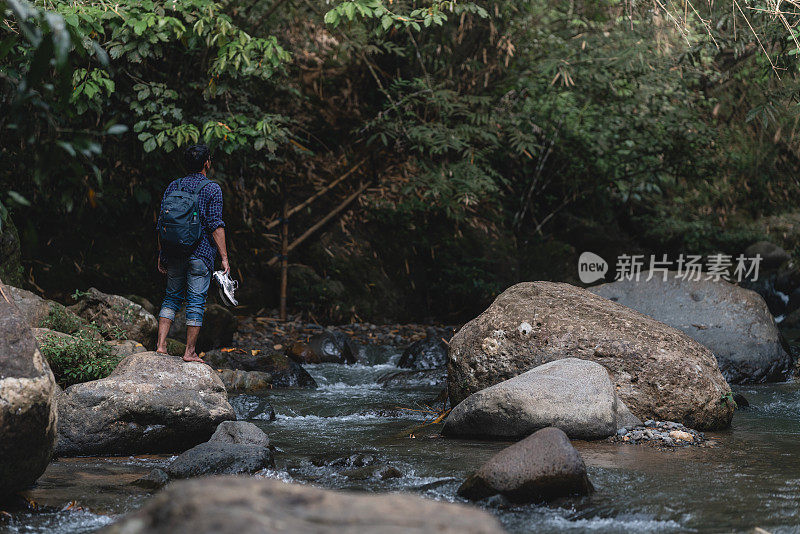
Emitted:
pixel 61 319
pixel 454 138
pixel 516 118
pixel 433 14
pixel 175 347
pixel 124 80
pixel 78 358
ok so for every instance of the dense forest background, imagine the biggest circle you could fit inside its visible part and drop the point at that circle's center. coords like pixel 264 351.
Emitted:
pixel 491 142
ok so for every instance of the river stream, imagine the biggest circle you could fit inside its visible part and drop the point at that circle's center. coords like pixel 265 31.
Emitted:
pixel 351 431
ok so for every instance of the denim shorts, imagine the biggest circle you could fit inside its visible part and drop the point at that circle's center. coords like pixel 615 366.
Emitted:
pixel 186 281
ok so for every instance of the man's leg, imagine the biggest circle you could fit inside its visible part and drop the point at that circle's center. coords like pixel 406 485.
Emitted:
pixel 198 280
pixel 176 285
pixel 163 330
pixel 192 332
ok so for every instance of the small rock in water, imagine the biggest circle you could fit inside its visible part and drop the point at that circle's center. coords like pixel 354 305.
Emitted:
pixel 662 434
pixel 154 480
pixel 541 467
pixel 391 472
pixel 681 436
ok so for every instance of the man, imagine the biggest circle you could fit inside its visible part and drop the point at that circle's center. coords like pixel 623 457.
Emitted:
pixel 189 270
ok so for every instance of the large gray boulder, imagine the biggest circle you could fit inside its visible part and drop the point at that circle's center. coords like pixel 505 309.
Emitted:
pixel 541 467
pixel 247 505
pixel 113 312
pixel 574 395
pixel 27 404
pixel 33 308
pixel 150 403
pixel 38 312
pixel 731 321
pixel 772 256
pixel 658 372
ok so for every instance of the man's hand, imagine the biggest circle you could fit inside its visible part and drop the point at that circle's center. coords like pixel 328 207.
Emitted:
pixel 225 266
pixel 161 268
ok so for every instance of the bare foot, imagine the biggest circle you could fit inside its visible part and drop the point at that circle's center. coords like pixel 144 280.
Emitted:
pixel 193 357
pixel 161 350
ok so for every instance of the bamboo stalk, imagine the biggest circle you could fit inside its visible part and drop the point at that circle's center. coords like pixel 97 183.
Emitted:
pixel 316 195
pixel 322 222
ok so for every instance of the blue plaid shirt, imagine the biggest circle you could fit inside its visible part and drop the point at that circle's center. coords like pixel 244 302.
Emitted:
pixel 209 202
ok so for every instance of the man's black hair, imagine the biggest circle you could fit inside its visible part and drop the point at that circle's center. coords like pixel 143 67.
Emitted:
pixel 195 157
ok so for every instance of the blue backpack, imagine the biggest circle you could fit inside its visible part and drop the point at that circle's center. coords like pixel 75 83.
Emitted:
pixel 179 228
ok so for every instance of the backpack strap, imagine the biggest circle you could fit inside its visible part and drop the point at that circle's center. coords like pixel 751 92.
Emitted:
pixel 204 182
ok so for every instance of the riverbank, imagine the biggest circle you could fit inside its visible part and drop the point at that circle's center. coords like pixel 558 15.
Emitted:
pixel 316 432
pixel 269 332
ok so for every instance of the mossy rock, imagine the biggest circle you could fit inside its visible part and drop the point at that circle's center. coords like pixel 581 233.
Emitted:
pixel 175 347
pixel 60 319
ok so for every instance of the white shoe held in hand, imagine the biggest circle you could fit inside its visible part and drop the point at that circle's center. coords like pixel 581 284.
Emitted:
pixel 227 286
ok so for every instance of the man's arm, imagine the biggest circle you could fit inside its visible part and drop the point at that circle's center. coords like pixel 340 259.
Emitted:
pixel 218 236
pixel 215 224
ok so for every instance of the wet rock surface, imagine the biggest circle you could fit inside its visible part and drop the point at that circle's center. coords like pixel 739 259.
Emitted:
pixel 658 371
pixel 238 381
pixel 252 407
pixel 541 467
pixel 236 447
pixel 360 466
pixel 428 353
pixel 326 347
pixel 244 505
pixel 662 434
pixel 284 372
pixel 27 402
pixel 433 377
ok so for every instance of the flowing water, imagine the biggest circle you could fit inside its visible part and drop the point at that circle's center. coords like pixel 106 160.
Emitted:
pixel 324 436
